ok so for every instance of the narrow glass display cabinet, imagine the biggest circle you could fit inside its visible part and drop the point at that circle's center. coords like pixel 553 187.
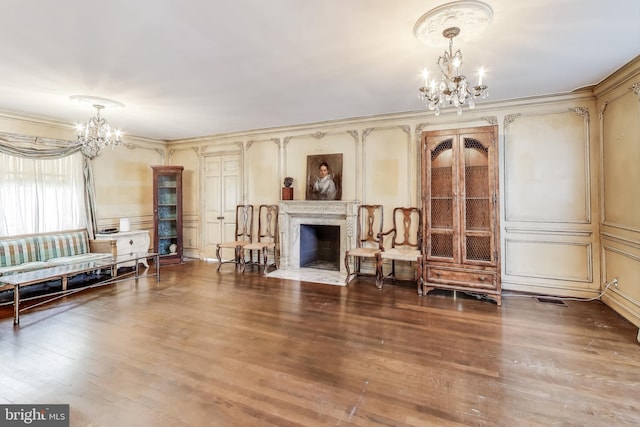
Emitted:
pixel 167 213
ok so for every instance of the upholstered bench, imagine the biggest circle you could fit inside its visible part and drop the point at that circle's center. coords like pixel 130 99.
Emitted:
pixel 35 251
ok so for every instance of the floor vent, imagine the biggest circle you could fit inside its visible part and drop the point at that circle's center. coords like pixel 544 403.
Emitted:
pixel 550 301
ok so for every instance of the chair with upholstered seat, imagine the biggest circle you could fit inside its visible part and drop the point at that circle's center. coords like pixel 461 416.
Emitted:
pixel 243 236
pixel 405 244
pixel 369 226
pixel 267 239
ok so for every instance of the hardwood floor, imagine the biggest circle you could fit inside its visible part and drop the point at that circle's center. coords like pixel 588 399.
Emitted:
pixel 201 348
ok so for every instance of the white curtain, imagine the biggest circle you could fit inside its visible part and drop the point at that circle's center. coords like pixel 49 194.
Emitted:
pixel 41 195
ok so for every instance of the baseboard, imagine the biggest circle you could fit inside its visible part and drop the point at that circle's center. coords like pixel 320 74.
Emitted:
pixel 623 307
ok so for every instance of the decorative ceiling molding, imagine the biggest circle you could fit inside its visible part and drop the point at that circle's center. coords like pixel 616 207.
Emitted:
pixel 470 16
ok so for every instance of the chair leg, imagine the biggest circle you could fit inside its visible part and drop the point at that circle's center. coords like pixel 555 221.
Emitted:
pixel 379 276
pixel 346 265
pixel 219 258
pixel 265 256
pixel 419 279
pixel 239 259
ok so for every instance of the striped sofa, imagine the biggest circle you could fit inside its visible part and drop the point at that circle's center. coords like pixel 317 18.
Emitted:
pixel 35 251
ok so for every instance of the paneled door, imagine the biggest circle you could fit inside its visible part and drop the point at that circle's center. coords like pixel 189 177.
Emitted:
pixel 222 192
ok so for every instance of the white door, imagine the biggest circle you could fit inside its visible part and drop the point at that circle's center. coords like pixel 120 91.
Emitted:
pixel 222 192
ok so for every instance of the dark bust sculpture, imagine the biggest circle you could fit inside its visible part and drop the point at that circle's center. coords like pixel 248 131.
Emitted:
pixel 288 182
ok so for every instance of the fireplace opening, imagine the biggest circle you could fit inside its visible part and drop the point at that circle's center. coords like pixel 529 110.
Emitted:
pixel 320 246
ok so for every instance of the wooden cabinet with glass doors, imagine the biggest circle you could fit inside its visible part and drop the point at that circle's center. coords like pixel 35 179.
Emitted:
pixel 167 213
pixel 461 216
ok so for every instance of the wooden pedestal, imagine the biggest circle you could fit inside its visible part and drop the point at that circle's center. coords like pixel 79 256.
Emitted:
pixel 287 193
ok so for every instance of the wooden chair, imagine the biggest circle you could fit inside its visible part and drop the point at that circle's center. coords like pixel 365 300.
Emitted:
pixel 369 226
pixel 406 244
pixel 243 236
pixel 267 240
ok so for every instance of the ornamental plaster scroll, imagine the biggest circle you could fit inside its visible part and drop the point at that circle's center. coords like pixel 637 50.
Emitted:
pixel 319 135
pixel 354 134
pixel 492 120
pixel 419 128
pixel 603 108
pixel 636 89
pixel 366 133
pixel 285 141
pixel 201 150
pixel 249 144
pixel 406 129
pixel 160 152
pixel 581 111
pixel 510 118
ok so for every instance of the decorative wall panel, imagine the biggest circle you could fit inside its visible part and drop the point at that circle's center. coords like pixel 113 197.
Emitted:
pixel 620 162
pixel 546 168
pixel 549 260
pixel 387 178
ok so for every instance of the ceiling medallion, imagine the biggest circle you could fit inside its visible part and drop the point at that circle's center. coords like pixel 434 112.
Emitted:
pixel 471 16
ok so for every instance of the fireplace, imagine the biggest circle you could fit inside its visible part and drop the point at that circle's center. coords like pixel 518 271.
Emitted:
pixel 320 246
pixel 325 222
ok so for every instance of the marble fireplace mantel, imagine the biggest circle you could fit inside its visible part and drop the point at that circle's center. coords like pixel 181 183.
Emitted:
pixel 294 213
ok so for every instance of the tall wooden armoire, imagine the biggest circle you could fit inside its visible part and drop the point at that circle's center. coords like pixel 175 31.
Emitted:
pixel 461 211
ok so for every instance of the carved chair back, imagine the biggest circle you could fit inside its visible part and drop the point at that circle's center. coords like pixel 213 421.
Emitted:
pixel 407 229
pixel 370 223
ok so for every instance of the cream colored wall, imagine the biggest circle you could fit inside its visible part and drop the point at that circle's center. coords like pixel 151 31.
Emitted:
pixel 619 156
pixel 122 176
pixel 548 178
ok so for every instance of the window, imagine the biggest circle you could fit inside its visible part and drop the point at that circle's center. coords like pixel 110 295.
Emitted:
pixel 41 195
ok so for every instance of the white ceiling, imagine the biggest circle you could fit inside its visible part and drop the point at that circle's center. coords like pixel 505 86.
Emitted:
pixel 188 68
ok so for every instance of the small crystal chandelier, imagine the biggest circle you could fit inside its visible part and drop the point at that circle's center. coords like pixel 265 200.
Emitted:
pixel 453 88
pixel 96 133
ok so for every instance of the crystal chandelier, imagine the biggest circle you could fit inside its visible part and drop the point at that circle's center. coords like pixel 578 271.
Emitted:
pixel 96 133
pixel 452 87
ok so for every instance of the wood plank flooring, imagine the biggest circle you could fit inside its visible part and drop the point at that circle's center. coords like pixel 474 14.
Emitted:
pixel 201 348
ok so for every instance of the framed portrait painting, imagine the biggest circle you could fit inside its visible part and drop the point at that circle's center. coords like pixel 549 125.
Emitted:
pixel 324 177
